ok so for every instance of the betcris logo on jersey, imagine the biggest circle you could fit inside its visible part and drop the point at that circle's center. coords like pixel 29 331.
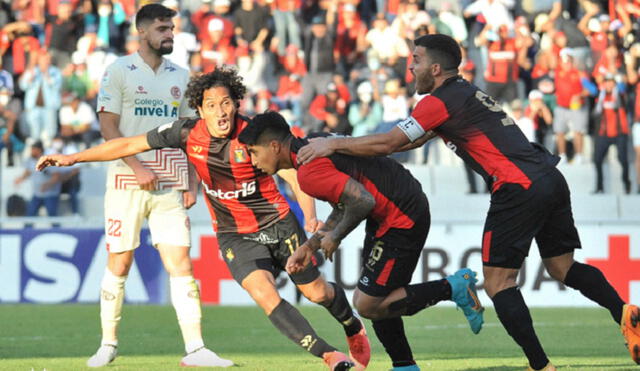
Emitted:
pixel 155 108
pixel 246 189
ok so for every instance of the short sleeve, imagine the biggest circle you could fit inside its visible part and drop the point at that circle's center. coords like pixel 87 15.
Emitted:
pixel 167 135
pixel 430 112
pixel 111 90
pixel 320 179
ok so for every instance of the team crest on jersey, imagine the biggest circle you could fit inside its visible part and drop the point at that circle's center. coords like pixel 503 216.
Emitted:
pixel 170 68
pixel 132 67
pixel 229 254
pixel 196 152
pixel 240 155
pixel 175 92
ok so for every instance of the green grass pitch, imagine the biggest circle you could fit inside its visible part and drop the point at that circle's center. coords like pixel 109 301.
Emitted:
pixel 62 337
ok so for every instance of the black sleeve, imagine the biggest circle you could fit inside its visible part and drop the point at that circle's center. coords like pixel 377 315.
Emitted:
pixel 172 135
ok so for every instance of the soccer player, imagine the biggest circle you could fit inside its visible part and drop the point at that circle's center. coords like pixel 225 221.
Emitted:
pixel 255 228
pixel 137 91
pixel 384 193
pixel 529 196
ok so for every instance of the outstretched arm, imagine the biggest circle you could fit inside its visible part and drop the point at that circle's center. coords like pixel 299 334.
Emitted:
pixel 382 144
pixel 111 150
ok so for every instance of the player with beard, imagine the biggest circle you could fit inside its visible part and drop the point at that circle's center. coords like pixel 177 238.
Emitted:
pixel 529 196
pixel 137 92
pixel 256 230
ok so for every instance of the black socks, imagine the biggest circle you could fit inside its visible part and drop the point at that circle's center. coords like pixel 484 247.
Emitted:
pixel 516 319
pixel 592 284
pixel 294 326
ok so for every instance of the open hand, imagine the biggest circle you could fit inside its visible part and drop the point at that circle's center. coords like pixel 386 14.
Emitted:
pixel 317 147
pixel 54 160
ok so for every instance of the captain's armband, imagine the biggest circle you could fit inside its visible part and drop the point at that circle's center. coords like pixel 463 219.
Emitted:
pixel 411 128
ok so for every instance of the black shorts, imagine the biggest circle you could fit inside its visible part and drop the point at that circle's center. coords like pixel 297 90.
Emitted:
pixel 388 261
pixel 517 216
pixel 267 249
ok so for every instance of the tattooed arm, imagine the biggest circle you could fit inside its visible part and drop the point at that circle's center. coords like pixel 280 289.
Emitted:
pixel 355 204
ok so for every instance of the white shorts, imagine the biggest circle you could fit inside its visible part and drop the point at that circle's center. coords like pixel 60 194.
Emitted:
pixel 565 120
pixel 126 210
pixel 635 133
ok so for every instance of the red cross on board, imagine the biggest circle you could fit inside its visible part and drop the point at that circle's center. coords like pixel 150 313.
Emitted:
pixel 210 269
pixel 619 268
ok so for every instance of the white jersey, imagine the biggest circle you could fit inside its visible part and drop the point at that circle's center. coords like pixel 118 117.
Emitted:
pixel 145 99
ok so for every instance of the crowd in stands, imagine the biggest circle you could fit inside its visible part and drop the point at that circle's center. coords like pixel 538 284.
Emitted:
pixel 566 70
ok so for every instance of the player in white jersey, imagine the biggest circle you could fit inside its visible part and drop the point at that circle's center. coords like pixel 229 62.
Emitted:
pixel 139 91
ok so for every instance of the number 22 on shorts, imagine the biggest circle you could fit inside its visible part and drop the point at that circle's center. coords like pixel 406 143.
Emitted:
pixel 113 227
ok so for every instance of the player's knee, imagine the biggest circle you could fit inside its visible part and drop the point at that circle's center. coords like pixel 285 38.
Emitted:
pixel 366 309
pixel 556 273
pixel 181 267
pixel 318 297
pixel 119 267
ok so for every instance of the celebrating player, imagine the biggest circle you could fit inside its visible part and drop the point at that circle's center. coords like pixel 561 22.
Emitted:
pixel 138 90
pixel 255 228
pixel 397 212
pixel 529 196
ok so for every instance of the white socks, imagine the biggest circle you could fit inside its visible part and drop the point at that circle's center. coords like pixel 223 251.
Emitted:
pixel 111 298
pixel 185 297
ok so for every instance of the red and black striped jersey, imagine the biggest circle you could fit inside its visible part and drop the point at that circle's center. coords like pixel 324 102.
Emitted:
pixel 476 128
pixel 398 195
pixel 241 198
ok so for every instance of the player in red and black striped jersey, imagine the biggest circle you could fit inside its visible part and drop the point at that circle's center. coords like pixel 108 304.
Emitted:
pixel 391 200
pixel 529 196
pixel 255 228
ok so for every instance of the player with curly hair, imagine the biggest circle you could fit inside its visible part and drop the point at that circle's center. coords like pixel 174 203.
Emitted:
pixel 255 228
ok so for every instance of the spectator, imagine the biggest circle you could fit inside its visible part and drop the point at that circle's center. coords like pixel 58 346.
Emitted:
pixel 45 185
pixel 286 25
pixel 454 22
pixel 350 39
pixel 9 112
pixel 112 26
pixel 76 78
pixel 329 111
pixel 78 122
pixel 395 106
pixel 501 74
pixel 71 175
pixel 185 43
pixel 571 112
pixel 251 26
pixel 386 43
pixel 24 48
pixel 66 29
pixel 495 12
pixel 633 71
pixel 365 114
pixel 525 123
pixel 540 114
pixel 216 48
pixel 200 19
pixel 289 94
pixel 252 30
pixel 319 62
pixel 613 129
pixel 42 87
